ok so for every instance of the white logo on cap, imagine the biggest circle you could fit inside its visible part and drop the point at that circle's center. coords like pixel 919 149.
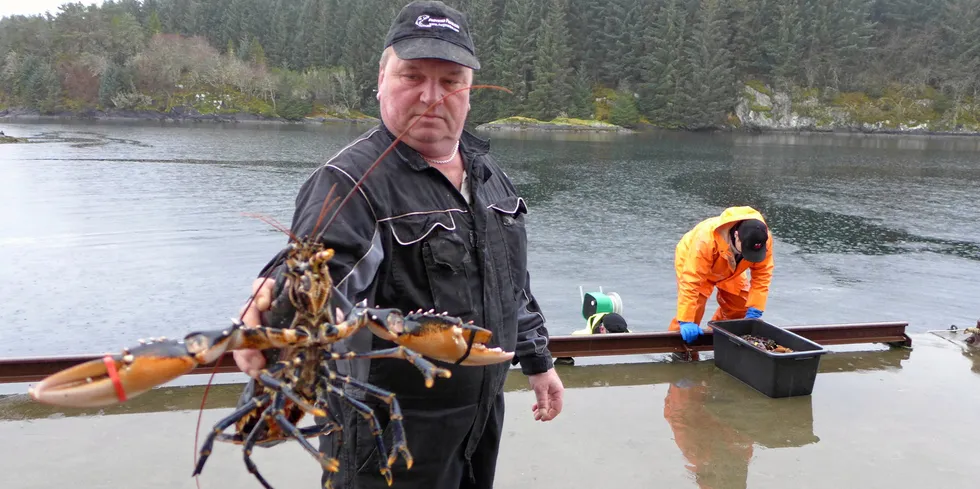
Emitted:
pixel 425 21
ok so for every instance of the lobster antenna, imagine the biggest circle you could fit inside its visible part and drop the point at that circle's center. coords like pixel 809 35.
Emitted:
pixel 328 203
pixel 272 222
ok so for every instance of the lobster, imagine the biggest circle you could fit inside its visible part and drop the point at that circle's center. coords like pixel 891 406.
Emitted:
pixel 299 380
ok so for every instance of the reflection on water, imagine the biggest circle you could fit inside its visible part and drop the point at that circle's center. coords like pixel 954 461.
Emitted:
pixel 903 142
pixel 226 395
pixel 716 425
pixel 81 139
pixel 716 453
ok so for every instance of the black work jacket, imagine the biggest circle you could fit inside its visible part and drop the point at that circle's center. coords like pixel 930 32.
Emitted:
pixel 408 239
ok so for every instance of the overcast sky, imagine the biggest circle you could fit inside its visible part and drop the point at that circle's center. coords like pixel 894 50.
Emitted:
pixel 29 7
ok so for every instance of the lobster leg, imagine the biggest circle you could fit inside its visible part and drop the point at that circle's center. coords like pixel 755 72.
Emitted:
pixel 428 369
pixel 269 381
pixel 308 432
pixel 395 417
pixel 223 424
pixel 250 442
pixel 330 464
pixel 366 411
pixel 321 394
pixel 275 411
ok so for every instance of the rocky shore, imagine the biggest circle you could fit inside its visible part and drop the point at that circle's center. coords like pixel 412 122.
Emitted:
pixel 760 108
pixel 763 109
pixel 559 124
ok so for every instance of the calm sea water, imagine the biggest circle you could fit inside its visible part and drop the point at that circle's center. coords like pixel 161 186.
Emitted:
pixel 114 231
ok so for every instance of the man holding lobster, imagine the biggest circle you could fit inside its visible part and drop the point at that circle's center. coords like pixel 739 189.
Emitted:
pixel 436 225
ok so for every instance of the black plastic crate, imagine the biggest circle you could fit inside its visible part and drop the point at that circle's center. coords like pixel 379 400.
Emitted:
pixel 773 374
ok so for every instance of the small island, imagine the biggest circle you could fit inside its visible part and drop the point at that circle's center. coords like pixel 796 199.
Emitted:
pixel 10 139
pixel 557 124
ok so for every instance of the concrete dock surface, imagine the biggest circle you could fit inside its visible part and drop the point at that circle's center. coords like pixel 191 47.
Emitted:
pixel 877 418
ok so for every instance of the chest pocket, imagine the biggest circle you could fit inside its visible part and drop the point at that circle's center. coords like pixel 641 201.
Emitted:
pixel 510 215
pixel 433 252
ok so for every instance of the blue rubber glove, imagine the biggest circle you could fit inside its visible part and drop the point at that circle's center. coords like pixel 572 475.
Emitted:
pixel 689 331
pixel 753 313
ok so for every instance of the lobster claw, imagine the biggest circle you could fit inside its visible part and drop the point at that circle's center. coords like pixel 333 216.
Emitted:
pixel 437 336
pixel 115 378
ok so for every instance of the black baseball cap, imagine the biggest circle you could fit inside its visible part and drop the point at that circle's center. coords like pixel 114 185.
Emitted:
pixel 614 323
pixel 432 29
pixel 754 235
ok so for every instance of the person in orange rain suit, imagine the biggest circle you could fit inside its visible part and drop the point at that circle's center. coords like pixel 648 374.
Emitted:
pixel 719 252
pixel 718 455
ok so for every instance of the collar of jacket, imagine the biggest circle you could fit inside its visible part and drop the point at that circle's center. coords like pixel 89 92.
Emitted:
pixel 726 246
pixel 470 147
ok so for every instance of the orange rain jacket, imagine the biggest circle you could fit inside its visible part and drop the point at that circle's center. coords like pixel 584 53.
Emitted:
pixel 705 258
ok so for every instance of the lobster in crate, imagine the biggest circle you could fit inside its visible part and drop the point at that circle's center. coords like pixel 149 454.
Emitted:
pixel 299 380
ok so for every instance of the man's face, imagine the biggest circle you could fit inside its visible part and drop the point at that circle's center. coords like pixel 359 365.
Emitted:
pixel 406 88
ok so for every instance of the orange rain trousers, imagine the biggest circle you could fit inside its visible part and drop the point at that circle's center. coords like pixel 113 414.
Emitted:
pixel 730 306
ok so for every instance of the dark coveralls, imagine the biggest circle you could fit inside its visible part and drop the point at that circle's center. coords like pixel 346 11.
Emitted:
pixel 408 239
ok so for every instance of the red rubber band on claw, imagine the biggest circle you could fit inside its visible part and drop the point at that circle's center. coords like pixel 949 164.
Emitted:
pixel 110 367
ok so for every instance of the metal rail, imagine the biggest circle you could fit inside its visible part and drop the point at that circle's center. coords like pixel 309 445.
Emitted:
pixel 33 369
pixel 667 342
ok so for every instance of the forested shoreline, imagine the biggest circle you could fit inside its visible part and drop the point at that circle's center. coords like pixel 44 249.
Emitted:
pixel 684 64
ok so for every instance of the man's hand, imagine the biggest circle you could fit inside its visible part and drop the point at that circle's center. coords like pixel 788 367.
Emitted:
pixel 251 361
pixel 548 389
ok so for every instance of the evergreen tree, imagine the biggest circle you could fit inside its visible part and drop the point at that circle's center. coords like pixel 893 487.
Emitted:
pixel 153 26
pixel 256 54
pixel 961 35
pixel 514 58
pixel 708 92
pixel 660 97
pixel 309 48
pixel 481 15
pixel 113 81
pixel 278 41
pixel 581 105
pixel 614 41
pixel 552 88
pixel 851 35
